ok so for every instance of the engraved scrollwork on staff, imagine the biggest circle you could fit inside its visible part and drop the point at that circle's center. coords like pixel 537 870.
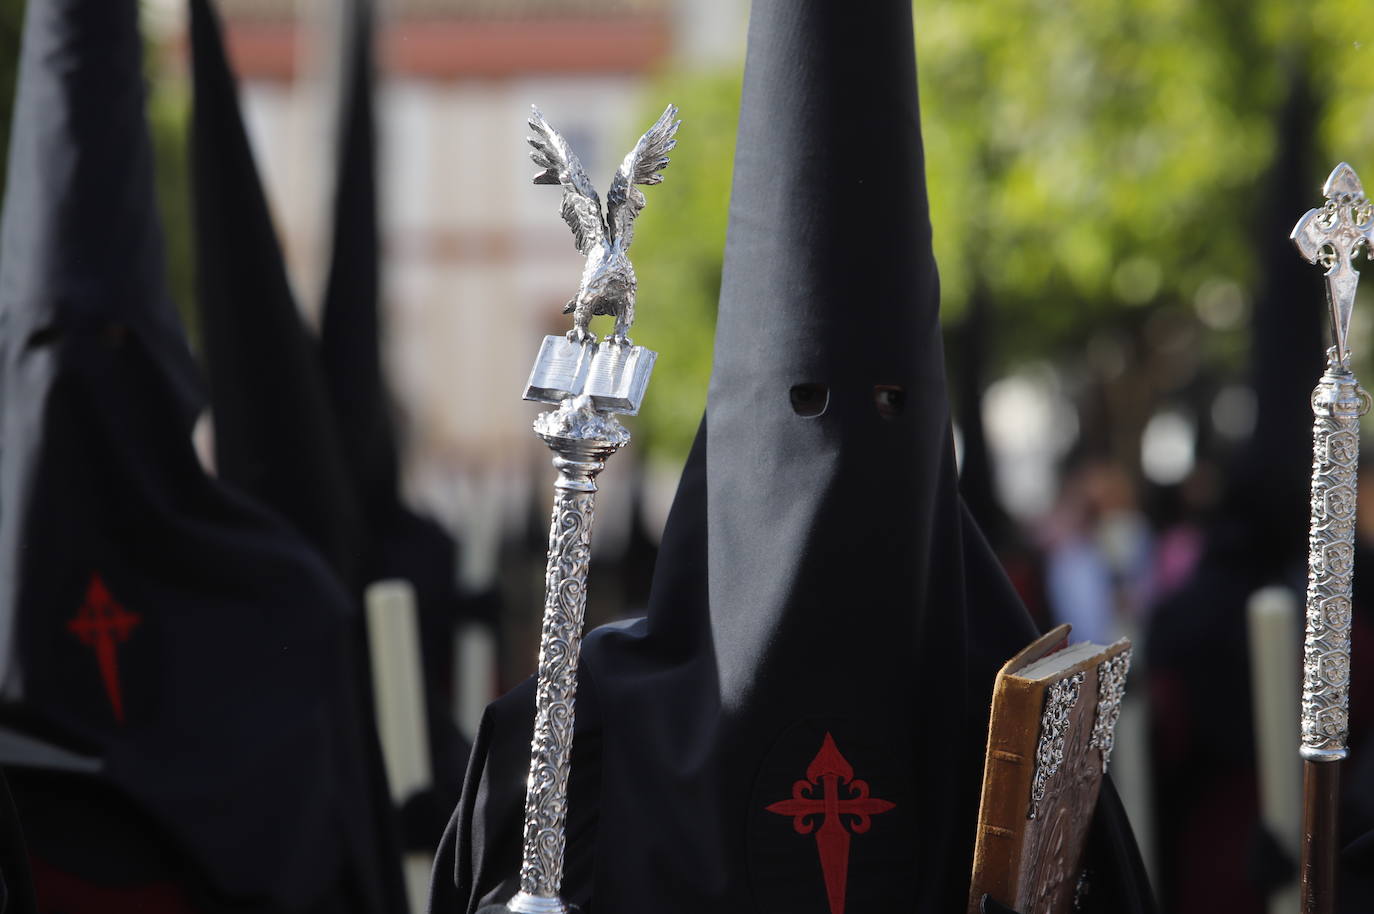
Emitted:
pixel 1337 403
pixel 1060 699
pixel 581 439
pixel 541 872
pixel 589 382
pixel 1111 689
pixel 1333 235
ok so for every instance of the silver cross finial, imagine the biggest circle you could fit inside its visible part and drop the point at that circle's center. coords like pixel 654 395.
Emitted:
pixel 1334 235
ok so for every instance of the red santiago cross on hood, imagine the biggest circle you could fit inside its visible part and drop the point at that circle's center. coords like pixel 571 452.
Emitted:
pixel 822 794
pixel 102 623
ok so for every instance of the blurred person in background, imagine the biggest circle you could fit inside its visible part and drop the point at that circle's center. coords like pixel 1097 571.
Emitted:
pixel 1098 553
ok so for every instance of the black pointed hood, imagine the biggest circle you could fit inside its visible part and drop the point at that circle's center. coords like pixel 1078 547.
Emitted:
pixel 822 605
pixel 153 619
pixel 1268 486
pixel 399 543
pixel 83 248
pixel 275 435
pixel 840 562
pixel 350 331
pixel 829 287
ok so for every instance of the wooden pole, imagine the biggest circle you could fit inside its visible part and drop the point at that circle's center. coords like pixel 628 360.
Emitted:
pixel 1320 844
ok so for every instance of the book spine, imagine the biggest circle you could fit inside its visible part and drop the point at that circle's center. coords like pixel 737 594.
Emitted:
pixel 1007 775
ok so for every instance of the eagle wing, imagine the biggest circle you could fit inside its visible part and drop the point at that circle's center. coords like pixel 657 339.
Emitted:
pixel 581 206
pixel 643 165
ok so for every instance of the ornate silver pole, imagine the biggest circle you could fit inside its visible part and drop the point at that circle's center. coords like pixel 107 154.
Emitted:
pixel 589 382
pixel 581 439
pixel 1333 235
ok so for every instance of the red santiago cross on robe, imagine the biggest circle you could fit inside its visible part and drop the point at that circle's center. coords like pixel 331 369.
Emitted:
pixel 101 623
pixel 822 794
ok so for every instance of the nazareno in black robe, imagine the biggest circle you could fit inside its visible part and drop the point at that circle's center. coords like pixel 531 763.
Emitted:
pixel 152 619
pixel 303 424
pixel 821 590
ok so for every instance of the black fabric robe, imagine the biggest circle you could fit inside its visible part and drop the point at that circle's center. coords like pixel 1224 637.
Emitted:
pixel 398 542
pixel 275 434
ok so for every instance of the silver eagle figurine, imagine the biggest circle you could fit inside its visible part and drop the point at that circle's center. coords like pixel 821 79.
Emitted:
pixel 608 278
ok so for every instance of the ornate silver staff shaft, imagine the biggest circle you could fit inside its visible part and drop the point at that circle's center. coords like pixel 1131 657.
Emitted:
pixel 581 439
pixel 589 382
pixel 1333 235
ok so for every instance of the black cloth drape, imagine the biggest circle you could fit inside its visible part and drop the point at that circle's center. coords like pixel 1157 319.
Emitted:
pixel 397 541
pixel 275 434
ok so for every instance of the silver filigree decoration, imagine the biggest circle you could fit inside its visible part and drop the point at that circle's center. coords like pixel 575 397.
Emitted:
pixel 608 279
pixel 576 418
pixel 560 642
pixel 1082 890
pixel 581 440
pixel 1338 402
pixel 1333 235
pixel 1060 699
pixel 1111 688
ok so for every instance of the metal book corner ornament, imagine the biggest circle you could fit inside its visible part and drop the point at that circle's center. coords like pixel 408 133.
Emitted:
pixel 1060 699
pixel 589 382
pixel 1111 690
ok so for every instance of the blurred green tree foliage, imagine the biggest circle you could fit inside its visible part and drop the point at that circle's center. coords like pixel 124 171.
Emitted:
pixel 1090 165
pixel 678 254
pixel 11 24
pixel 169 112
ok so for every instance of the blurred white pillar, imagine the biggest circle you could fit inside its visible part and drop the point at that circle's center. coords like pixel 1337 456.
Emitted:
pixel 709 33
pixel 393 635
pixel 1131 755
pixel 474 675
pixel 1275 640
pixel 1131 769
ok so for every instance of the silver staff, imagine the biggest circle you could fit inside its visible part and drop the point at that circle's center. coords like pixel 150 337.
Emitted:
pixel 590 382
pixel 1333 235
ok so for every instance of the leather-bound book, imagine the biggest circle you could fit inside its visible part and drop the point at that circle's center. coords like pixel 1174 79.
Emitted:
pixel 1054 712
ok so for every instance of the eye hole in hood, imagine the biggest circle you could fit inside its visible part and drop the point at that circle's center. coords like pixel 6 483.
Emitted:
pixel 809 400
